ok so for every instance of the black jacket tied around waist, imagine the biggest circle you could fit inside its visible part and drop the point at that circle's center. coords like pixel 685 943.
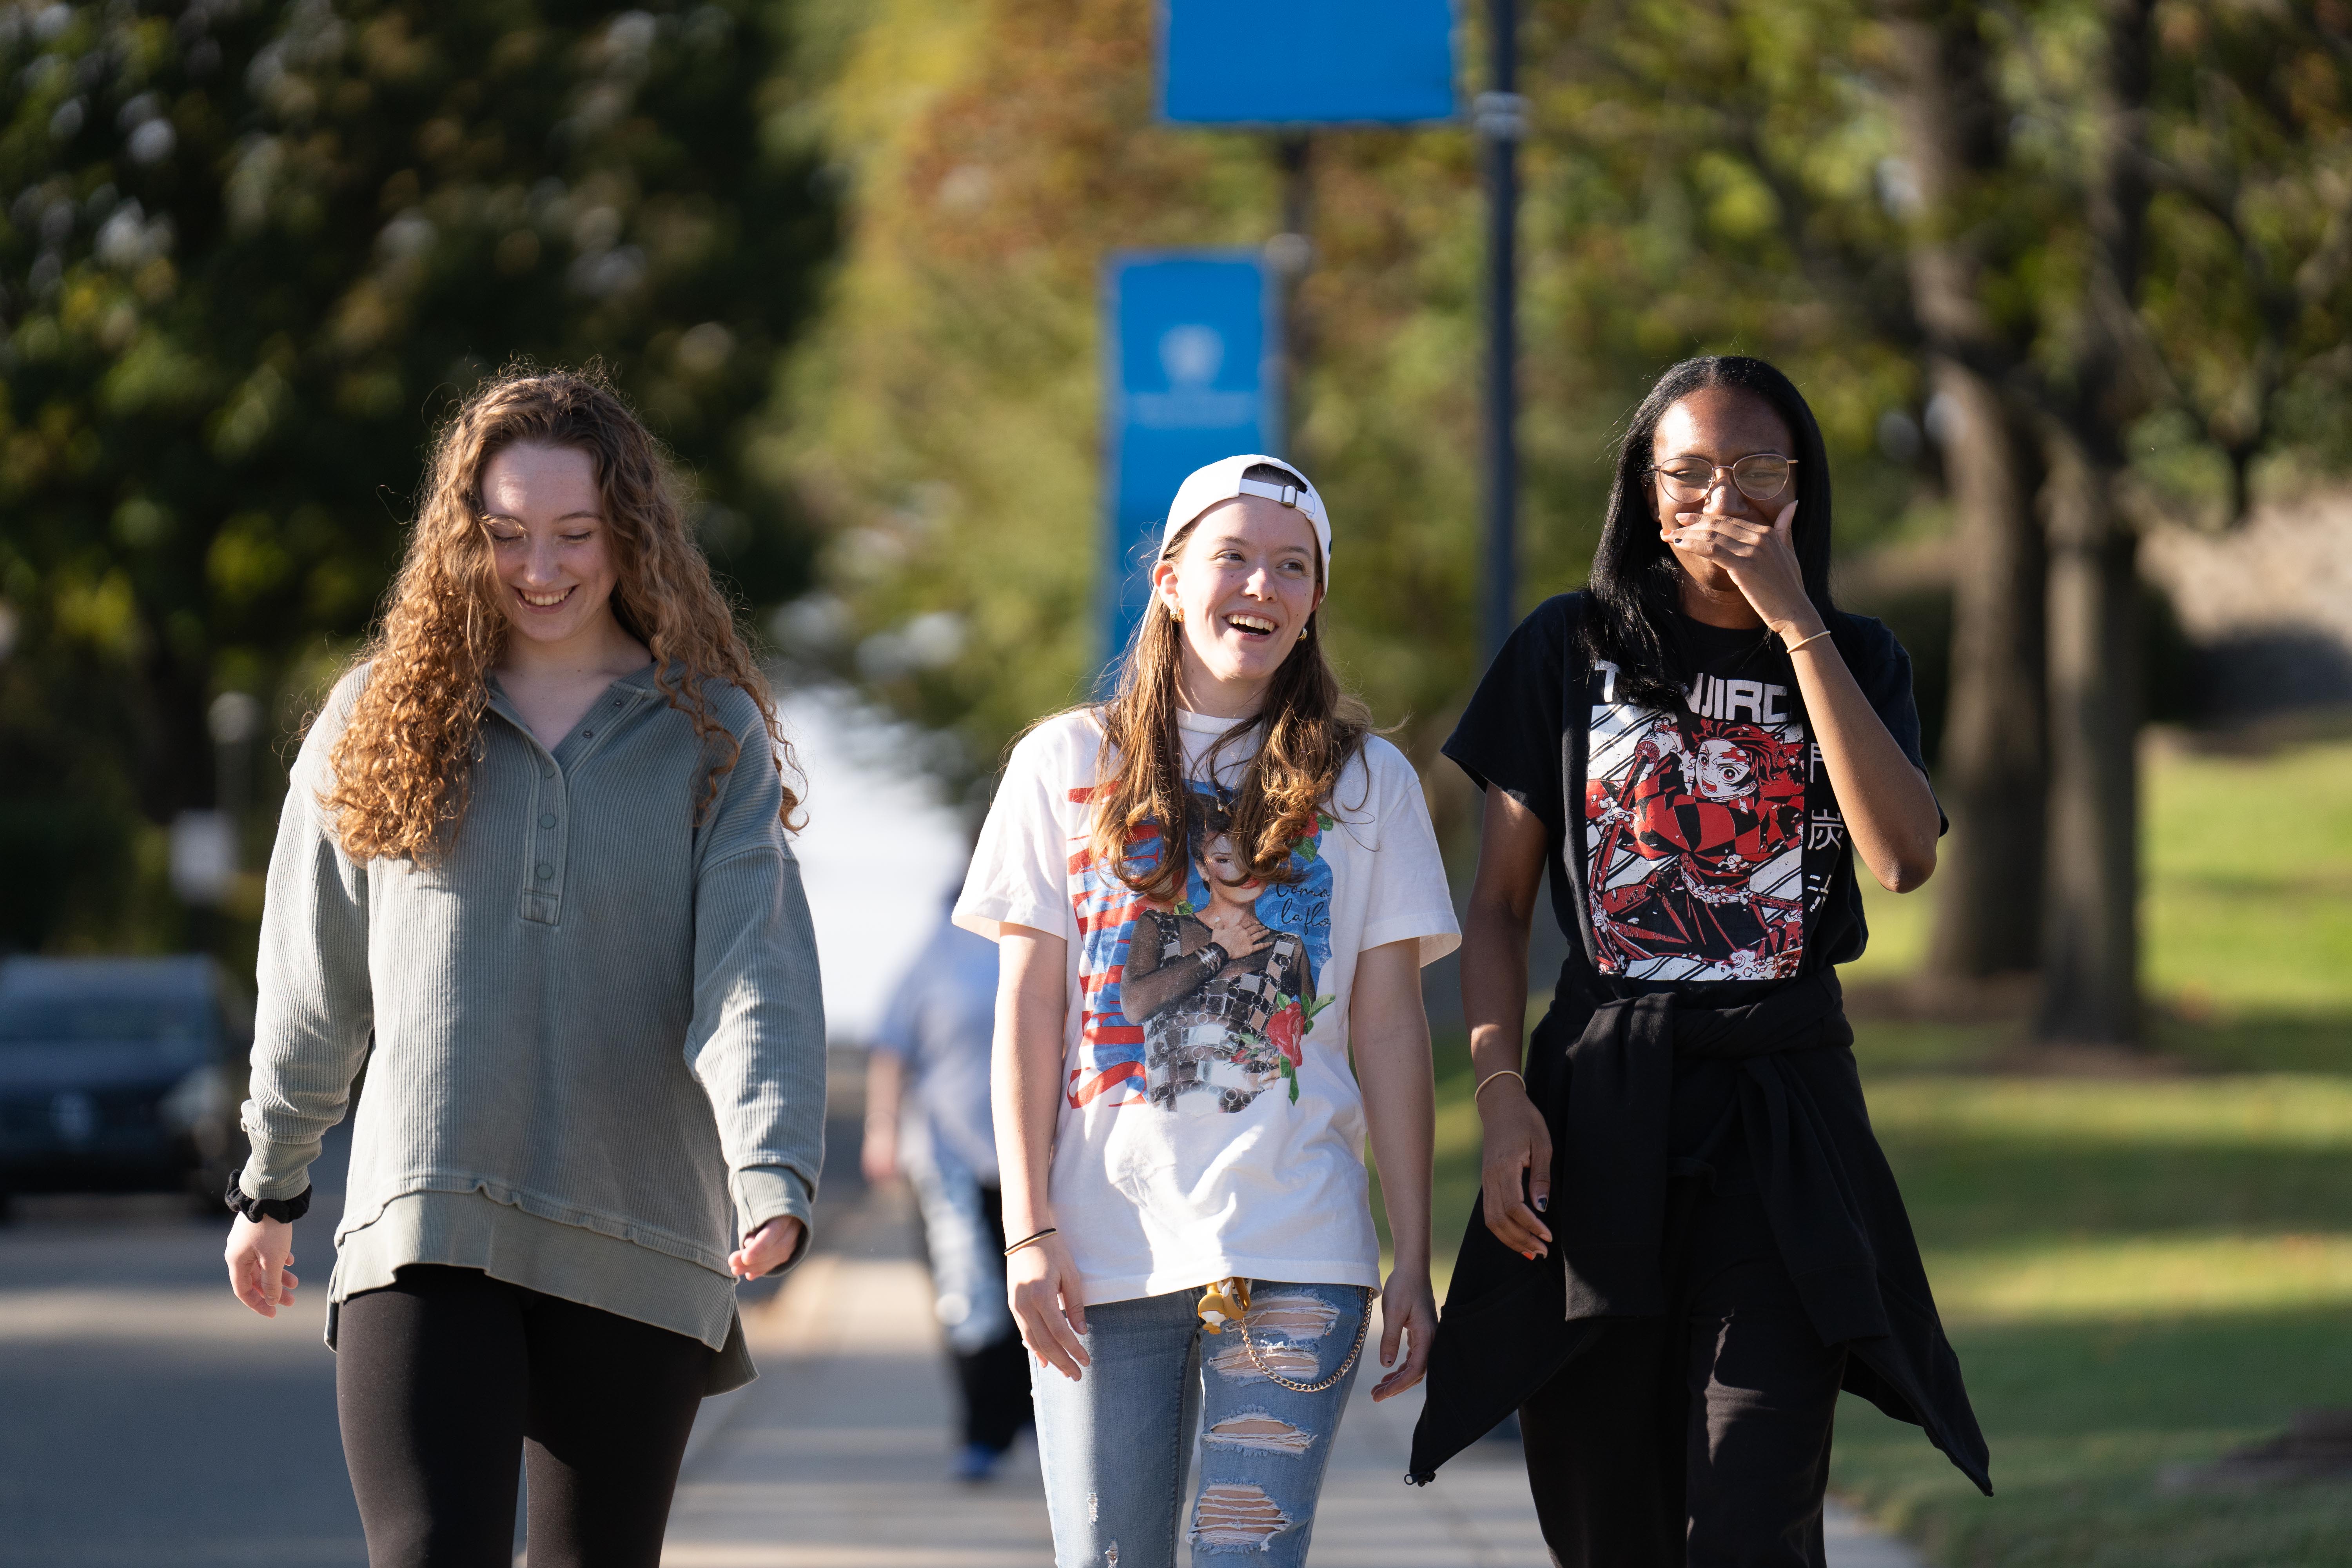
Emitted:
pixel 1602 1072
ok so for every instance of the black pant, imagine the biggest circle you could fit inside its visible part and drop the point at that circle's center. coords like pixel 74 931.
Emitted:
pixel 1702 1438
pixel 994 1379
pixel 448 1381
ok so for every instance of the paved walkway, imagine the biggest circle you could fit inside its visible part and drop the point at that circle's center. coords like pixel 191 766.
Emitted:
pixel 836 1458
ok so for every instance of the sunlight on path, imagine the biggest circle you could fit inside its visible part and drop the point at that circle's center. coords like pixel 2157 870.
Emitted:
pixel 838 1456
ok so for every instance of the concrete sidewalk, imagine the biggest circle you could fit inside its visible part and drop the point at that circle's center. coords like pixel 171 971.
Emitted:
pixel 838 1456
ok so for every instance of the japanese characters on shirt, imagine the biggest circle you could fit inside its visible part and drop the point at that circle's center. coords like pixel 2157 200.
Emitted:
pixel 1710 840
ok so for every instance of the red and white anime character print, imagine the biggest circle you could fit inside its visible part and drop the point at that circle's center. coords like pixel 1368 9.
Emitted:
pixel 1694 842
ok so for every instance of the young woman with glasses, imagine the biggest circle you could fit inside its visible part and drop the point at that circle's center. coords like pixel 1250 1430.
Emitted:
pixel 1686 1240
pixel 1213 895
pixel 532 874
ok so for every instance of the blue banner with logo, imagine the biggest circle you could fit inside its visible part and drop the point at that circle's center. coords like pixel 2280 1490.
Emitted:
pixel 1305 62
pixel 1191 374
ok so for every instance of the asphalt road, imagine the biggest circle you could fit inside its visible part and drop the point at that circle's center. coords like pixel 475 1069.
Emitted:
pixel 149 1421
pixel 146 1419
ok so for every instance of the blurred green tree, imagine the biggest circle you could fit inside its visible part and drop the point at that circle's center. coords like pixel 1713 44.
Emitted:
pixel 2130 235
pixel 947 432
pixel 2047 271
pixel 249 254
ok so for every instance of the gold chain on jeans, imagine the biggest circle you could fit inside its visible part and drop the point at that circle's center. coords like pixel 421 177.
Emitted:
pixel 1363 1327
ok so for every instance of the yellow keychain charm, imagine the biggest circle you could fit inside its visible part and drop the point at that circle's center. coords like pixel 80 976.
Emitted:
pixel 1224 1302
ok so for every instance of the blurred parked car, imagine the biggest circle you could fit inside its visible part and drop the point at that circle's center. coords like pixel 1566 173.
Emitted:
pixel 121 1075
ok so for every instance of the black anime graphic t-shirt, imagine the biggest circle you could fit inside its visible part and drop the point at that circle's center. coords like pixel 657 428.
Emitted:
pixel 1701 851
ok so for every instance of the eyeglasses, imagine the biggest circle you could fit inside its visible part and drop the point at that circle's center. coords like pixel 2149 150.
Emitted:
pixel 1759 476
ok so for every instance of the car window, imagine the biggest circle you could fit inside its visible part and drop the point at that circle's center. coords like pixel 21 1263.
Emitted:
pixel 66 1020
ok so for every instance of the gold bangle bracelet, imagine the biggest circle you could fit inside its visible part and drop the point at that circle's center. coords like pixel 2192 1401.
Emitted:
pixel 1035 1236
pixel 1507 1072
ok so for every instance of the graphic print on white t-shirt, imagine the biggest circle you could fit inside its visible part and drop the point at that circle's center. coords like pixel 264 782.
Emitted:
pixel 1210 1122
pixel 1207 996
pixel 1696 844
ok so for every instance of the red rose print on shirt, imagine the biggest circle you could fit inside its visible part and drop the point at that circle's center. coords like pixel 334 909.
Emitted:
pixel 1286 1029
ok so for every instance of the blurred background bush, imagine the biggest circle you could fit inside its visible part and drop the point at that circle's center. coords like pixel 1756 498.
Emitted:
pixel 251 254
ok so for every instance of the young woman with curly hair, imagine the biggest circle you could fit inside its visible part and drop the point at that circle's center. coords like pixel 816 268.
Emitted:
pixel 532 873
pixel 1686 1240
pixel 1210 893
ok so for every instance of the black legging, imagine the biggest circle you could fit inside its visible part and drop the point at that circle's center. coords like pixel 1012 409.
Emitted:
pixel 1738 1483
pixel 447 1381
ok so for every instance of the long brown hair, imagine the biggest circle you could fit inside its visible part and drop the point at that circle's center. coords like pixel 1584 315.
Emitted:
pixel 1312 729
pixel 400 768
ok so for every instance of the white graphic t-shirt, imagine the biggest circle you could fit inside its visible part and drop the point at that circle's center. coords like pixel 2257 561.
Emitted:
pixel 1210 1124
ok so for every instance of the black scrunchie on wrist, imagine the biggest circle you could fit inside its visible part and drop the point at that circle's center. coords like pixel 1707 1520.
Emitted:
pixel 288 1210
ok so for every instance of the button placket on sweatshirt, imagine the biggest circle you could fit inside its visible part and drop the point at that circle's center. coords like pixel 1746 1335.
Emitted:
pixel 545 840
pixel 548 826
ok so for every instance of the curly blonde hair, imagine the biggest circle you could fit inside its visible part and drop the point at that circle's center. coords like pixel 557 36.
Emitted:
pixel 400 768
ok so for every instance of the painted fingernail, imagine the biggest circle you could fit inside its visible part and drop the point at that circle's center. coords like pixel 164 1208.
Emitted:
pixel 1543 1202
pixel 1528 1256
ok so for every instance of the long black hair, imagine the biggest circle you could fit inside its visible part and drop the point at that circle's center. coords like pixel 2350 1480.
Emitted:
pixel 1636 584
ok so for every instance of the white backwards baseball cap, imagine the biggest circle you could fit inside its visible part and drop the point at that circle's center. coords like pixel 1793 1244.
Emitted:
pixel 1222 481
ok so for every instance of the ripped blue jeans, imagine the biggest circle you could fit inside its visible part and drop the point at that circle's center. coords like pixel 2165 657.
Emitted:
pixel 1115 1446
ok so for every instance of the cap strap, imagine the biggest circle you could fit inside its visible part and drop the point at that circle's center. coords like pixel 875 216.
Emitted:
pixel 1286 494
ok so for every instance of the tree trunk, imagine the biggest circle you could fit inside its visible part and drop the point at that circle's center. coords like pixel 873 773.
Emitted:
pixel 1994 771
pixel 2090 968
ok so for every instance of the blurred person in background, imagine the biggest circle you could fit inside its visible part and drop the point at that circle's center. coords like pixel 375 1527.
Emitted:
pixel 927 1117
pixel 1213 895
pixel 1686 1239
pixel 533 873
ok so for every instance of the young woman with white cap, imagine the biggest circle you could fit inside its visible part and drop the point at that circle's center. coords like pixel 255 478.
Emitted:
pixel 1211 892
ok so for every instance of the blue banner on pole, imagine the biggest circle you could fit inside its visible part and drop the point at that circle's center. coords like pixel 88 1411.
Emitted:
pixel 1190 374
pixel 1305 62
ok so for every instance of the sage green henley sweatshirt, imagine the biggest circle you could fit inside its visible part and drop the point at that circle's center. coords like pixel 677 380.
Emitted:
pixel 592 1031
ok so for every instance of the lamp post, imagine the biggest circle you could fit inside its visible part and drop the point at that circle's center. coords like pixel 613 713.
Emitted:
pixel 1289 254
pixel 1500 116
pixel 1293 68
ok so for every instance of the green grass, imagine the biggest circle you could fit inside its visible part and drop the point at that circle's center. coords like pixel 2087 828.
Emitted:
pixel 2084 1415
pixel 2136 1274
pixel 2246 912
pixel 2139 1271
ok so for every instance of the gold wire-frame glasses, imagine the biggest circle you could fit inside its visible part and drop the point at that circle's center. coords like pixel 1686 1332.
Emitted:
pixel 1759 476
